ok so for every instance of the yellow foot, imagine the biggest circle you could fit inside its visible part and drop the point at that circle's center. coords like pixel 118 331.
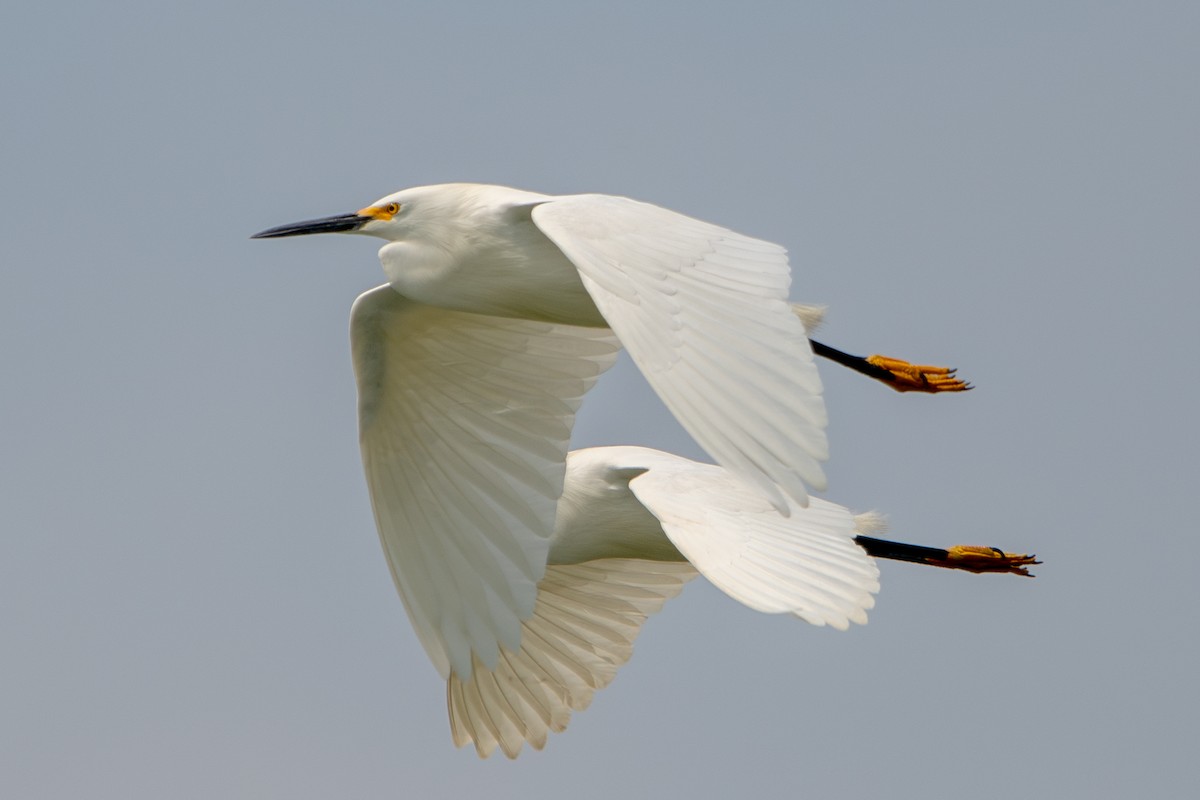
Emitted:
pixel 974 558
pixel 908 377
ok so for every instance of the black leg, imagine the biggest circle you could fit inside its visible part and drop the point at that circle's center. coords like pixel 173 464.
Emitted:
pixel 856 363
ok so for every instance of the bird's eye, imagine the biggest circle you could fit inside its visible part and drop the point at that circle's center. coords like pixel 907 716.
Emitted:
pixel 392 209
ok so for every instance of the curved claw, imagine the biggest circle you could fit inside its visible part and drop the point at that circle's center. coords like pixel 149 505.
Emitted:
pixel 906 377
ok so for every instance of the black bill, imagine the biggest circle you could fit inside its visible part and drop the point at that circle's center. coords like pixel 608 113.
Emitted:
pixel 342 223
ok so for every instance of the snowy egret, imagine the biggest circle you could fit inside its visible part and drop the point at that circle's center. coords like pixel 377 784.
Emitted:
pixel 634 525
pixel 701 309
pixel 503 308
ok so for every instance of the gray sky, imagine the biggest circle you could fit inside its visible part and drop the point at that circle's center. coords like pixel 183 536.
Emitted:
pixel 193 602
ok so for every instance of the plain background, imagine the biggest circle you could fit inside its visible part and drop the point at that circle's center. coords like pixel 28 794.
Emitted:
pixel 193 602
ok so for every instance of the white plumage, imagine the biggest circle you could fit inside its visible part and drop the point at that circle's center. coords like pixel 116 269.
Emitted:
pixel 633 526
pixel 527 584
pixel 701 309
pixel 525 575
pixel 464 423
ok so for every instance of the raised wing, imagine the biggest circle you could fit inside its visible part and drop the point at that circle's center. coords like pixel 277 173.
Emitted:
pixel 805 564
pixel 464 421
pixel 703 312
pixel 581 632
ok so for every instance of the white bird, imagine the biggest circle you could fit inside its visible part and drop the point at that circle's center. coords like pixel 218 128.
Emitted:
pixel 471 364
pixel 701 309
pixel 633 526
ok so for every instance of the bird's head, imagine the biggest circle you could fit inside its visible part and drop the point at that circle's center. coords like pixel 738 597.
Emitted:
pixel 440 213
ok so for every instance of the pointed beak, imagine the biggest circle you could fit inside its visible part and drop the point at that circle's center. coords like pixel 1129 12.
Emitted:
pixel 342 223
